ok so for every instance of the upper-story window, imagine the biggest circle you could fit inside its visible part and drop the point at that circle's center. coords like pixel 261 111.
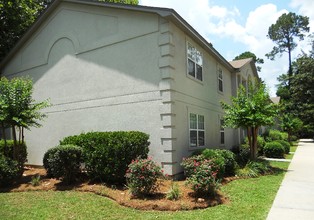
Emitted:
pixel 195 62
pixel 220 80
pixel 222 131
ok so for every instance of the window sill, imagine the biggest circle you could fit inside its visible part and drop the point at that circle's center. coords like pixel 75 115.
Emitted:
pixel 195 79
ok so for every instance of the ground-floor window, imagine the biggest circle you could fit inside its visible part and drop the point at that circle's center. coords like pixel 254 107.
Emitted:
pixel 197 130
pixel 222 132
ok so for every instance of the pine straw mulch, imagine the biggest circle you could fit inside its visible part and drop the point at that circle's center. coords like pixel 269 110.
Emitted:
pixel 157 201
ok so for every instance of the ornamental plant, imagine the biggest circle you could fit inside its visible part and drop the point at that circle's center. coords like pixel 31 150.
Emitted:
pixel 142 175
pixel 201 175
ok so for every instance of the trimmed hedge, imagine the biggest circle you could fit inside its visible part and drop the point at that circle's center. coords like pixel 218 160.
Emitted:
pixel 8 152
pixel 274 150
pixel 63 162
pixel 9 170
pixel 275 135
pixel 108 154
pixel 285 145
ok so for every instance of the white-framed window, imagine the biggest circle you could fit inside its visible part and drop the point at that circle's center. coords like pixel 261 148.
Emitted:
pixel 220 80
pixel 197 130
pixel 222 131
pixel 194 62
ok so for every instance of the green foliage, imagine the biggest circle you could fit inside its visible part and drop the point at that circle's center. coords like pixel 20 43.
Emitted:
pixel 254 169
pixel 63 162
pixel 108 154
pixel 291 124
pixel 174 192
pixel 243 156
pixel 224 159
pixel 16 17
pixel 285 144
pixel 7 150
pixel 250 109
pixel 9 171
pixel 217 159
pixel 35 181
pixel 142 175
pixel 201 175
pixel 274 150
pixel 249 54
pixel 275 135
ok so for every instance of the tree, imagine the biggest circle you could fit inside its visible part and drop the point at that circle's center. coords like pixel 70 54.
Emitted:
pixel 287 27
pixel 16 16
pixel 249 54
pixel 291 125
pixel 250 110
pixel 18 110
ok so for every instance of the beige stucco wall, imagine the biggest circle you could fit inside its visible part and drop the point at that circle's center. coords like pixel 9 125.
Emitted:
pixel 112 69
pixel 100 69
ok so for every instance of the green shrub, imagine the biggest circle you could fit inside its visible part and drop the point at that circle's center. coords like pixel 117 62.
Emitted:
pixel 230 162
pixel 142 175
pixel 8 151
pixel 274 150
pixel 218 159
pixel 243 157
pixel 254 169
pixel 224 159
pixel 108 154
pixel 63 162
pixel 261 167
pixel 260 145
pixel 202 175
pixel 275 135
pixel 285 145
pixel 9 170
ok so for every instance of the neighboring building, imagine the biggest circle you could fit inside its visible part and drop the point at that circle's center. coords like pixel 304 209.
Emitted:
pixel 119 67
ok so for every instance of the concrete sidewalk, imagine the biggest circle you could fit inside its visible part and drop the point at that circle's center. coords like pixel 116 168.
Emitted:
pixel 295 198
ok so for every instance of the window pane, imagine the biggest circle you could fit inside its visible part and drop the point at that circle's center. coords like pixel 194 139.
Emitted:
pixel 201 138
pixel 191 67
pixel 191 52
pixel 222 137
pixel 199 58
pixel 220 86
pixel 193 138
pixel 201 122
pixel 199 74
pixel 193 121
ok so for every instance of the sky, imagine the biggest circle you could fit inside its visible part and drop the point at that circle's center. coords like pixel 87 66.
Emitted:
pixel 236 26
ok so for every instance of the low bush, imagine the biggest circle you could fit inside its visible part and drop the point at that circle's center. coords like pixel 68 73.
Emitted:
pixel 260 145
pixel 286 145
pixel 243 157
pixel 63 162
pixel 274 150
pixel 202 175
pixel 225 160
pixel 9 170
pixel 142 175
pixel 254 169
pixel 108 154
pixel 275 135
pixel 8 150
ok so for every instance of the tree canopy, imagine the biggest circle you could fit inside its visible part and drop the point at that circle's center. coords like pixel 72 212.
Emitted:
pixel 248 54
pixel 284 31
pixel 250 109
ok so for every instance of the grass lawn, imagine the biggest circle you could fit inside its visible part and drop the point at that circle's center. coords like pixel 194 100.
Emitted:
pixel 250 199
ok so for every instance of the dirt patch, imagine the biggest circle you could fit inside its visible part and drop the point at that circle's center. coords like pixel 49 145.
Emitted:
pixel 158 201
